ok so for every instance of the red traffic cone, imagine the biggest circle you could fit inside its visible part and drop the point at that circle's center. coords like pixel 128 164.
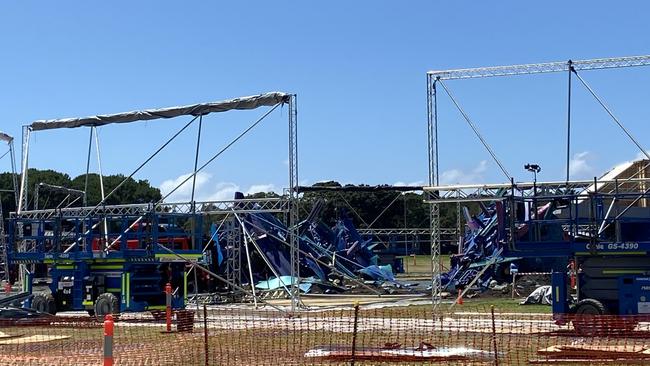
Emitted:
pixel 459 300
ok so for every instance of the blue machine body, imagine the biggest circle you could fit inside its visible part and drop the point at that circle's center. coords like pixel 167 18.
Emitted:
pixel 130 254
pixel 606 234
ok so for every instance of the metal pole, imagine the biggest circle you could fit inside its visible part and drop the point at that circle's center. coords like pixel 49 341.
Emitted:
pixel 355 327
pixel 406 246
pixel 196 157
pixel 196 288
pixel 196 163
pixel 90 145
pixel 568 123
pixel 494 338
pixel 205 334
pixel 294 210
pixel 14 179
pixel 101 179
pixel 434 209
pixel 22 202
pixel 250 271
pixel 206 270
pixel 261 253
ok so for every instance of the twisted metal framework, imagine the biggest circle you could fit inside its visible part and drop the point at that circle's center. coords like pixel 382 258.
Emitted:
pixel 440 194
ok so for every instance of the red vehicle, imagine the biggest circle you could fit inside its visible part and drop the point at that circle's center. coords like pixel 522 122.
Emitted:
pixel 139 237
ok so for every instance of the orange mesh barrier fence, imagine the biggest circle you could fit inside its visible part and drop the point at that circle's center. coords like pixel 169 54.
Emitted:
pixel 396 335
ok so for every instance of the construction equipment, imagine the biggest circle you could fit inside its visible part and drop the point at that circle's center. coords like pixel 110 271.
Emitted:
pixel 106 272
pixel 115 258
pixel 602 226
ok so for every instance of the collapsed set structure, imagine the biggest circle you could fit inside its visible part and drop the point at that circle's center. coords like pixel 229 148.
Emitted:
pixel 119 250
pixel 600 225
pixel 108 258
pixel 114 258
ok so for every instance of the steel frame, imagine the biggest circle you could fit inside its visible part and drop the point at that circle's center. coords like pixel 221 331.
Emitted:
pixel 404 231
pixel 287 204
pixel 450 194
pixel 541 190
pixel 540 68
pixel 4 265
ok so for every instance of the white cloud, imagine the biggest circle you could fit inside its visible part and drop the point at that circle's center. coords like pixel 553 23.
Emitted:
pixel 184 192
pixel 256 188
pixel 417 183
pixel 641 155
pixel 206 190
pixel 222 191
pixel 455 176
pixel 579 165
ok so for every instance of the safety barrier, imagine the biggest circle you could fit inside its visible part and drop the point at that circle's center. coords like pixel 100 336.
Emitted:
pixel 347 336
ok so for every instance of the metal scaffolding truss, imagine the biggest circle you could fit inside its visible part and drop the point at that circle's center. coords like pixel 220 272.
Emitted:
pixel 541 68
pixel 271 205
pixel 438 194
pixel 400 231
pixel 4 266
pixel 287 205
pixel 540 190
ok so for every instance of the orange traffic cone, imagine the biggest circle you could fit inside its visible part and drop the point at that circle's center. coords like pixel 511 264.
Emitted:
pixel 459 300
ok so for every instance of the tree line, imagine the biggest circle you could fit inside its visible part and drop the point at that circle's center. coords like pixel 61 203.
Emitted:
pixel 383 208
pixel 133 191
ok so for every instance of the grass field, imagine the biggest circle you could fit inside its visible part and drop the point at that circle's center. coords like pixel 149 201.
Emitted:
pixel 420 265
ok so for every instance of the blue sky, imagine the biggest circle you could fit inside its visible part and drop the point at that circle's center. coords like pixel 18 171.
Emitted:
pixel 358 69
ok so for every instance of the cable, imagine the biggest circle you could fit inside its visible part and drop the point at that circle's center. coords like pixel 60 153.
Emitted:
pixel 568 123
pixel 194 173
pixel 478 134
pixel 600 101
pixel 220 152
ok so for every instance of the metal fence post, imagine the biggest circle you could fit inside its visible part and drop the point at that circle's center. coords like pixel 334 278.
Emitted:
pixel 168 308
pixel 494 338
pixel 205 334
pixel 108 340
pixel 354 333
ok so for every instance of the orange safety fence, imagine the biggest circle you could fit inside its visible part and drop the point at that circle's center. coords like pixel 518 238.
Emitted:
pixel 361 336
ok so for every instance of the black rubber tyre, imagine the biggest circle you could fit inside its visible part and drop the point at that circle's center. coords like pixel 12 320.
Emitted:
pixel 44 303
pixel 589 319
pixel 106 303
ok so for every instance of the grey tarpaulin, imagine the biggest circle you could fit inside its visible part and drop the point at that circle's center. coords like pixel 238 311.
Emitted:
pixel 251 102
pixel 5 137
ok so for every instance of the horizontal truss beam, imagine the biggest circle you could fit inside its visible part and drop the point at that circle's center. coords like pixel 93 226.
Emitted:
pixel 494 192
pixel 209 207
pixel 540 68
pixel 403 231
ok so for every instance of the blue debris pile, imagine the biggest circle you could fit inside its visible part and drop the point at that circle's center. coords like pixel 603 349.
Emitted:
pixel 483 245
pixel 328 255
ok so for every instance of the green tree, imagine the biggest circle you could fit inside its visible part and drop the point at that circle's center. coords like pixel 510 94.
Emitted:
pixel 132 191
